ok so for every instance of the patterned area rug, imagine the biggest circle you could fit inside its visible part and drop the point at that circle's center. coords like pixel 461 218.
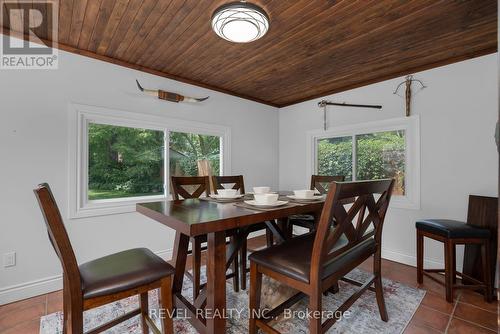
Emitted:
pixel 402 301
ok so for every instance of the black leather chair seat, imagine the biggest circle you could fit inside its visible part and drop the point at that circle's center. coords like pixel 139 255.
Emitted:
pixel 451 229
pixel 306 221
pixel 122 271
pixel 293 258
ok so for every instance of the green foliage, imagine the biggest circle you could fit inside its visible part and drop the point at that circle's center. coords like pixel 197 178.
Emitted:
pixel 126 162
pixel 335 157
pixel 379 155
pixel 186 149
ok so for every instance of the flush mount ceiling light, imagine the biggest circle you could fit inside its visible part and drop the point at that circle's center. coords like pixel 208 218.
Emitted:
pixel 240 22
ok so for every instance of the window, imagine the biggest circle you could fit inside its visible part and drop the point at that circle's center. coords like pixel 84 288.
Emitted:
pixel 377 150
pixel 123 158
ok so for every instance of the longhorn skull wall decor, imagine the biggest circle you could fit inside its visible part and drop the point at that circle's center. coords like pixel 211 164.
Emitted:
pixel 168 96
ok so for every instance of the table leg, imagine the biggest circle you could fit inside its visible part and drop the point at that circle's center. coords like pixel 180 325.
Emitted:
pixel 216 283
pixel 179 257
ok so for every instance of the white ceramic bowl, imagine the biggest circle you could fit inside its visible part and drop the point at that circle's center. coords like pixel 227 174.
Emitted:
pixel 306 194
pixel 227 193
pixel 261 190
pixel 266 198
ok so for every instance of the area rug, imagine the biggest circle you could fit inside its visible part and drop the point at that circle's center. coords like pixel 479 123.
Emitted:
pixel 401 301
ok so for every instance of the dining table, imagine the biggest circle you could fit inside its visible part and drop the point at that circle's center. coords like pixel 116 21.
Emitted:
pixel 204 216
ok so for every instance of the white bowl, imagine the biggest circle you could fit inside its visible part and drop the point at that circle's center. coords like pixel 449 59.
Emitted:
pixel 305 194
pixel 265 198
pixel 227 193
pixel 261 190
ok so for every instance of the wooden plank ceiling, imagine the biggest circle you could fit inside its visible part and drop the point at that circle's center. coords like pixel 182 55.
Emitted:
pixel 313 47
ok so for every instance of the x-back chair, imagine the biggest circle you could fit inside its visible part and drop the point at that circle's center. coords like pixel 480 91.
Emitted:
pixel 313 263
pixel 200 186
pixel 319 183
pixel 107 279
pixel 238 183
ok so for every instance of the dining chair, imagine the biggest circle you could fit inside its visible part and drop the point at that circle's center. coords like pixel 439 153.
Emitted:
pixel 319 183
pixel 106 279
pixel 314 262
pixel 185 187
pixel 236 182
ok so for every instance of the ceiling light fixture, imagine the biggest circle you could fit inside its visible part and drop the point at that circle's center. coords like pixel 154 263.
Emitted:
pixel 240 22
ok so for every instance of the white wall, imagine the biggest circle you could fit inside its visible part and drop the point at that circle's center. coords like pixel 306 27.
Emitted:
pixel 458 112
pixel 34 148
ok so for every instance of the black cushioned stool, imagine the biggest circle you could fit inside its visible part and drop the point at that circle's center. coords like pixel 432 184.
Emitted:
pixel 452 233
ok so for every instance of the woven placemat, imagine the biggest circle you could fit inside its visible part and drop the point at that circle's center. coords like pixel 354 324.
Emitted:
pixel 252 207
pixel 225 201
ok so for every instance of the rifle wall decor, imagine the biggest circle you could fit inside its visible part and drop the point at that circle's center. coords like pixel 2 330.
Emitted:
pixel 168 96
pixel 324 103
pixel 408 92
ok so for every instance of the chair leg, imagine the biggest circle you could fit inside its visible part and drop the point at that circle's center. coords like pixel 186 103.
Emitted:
pixel 420 257
pixel 448 272
pixel 315 312
pixel 144 312
pixel 454 264
pixel 254 296
pixel 166 303
pixel 235 268
pixel 75 316
pixel 243 264
pixel 269 237
pixel 196 260
pixel 66 309
pixel 379 289
pixel 485 259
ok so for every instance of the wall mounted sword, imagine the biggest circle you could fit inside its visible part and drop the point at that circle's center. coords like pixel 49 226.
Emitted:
pixel 168 96
pixel 324 103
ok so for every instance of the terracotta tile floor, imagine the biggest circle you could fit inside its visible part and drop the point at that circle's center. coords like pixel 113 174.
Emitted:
pixel 468 314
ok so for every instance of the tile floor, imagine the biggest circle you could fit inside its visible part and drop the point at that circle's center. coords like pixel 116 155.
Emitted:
pixel 468 314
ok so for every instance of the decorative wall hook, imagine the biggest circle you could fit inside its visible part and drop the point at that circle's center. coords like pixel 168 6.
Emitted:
pixel 168 96
pixel 408 81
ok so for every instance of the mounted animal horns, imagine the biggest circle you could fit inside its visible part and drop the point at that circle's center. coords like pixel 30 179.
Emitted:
pixel 168 96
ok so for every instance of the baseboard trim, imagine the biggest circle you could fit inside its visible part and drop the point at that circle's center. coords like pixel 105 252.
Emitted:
pixel 410 260
pixel 42 286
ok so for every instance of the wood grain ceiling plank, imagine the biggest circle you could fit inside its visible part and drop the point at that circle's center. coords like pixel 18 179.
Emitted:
pixel 189 26
pixel 65 15
pixel 181 11
pixel 5 15
pixel 207 47
pixel 113 22
pixel 381 74
pixel 149 23
pixel 349 25
pixel 15 21
pixel 89 21
pixel 77 17
pixel 124 42
pixel 290 22
pixel 41 30
pixel 124 26
pixel 399 63
pixel 411 41
pixel 105 11
pixel 166 23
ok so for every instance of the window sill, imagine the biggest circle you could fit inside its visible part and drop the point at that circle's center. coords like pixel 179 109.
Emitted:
pixel 112 207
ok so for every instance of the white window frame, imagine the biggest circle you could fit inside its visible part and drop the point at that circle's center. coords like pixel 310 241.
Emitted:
pixel 80 118
pixel 411 126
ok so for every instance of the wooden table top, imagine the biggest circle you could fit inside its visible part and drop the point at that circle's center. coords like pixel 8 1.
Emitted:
pixel 195 217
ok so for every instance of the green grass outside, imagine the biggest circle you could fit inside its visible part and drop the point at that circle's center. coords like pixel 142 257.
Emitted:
pixel 95 194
